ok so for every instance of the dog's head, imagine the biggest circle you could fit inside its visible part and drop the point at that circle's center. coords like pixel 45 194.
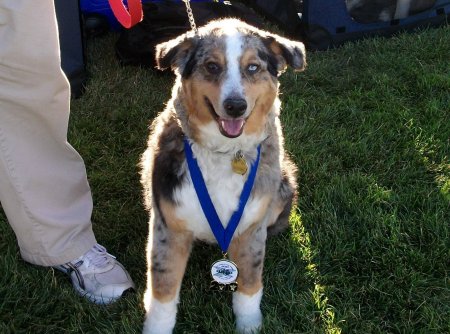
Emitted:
pixel 229 75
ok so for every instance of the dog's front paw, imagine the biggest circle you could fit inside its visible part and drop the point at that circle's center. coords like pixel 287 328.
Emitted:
pixel 247 312
pixel 155 327
pixel 249 324
pixel 160 318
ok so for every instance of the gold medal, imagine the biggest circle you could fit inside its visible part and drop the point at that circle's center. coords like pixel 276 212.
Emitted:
pixel 238 164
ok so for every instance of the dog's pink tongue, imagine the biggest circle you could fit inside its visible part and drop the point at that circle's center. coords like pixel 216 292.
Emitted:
pixel 232 127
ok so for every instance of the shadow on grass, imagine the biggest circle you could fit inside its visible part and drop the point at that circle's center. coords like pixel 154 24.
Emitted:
pixel 372 145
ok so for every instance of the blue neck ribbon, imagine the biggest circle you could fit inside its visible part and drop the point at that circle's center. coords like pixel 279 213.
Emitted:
pixel 223 236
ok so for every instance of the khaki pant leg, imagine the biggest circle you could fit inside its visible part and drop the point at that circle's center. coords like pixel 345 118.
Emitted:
pixel 43 186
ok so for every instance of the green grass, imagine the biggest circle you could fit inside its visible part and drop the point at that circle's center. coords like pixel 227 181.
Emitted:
pixel 369 249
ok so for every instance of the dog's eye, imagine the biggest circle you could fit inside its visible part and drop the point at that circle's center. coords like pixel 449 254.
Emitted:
pixel 213 67
pixel 252 68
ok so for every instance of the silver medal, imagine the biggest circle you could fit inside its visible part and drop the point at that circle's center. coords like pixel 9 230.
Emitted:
pixel 224 271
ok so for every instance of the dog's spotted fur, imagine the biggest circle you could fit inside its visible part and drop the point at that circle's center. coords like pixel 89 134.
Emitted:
pixel 225 99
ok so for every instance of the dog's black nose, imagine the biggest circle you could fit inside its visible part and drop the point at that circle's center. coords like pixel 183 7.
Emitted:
pixel 235 107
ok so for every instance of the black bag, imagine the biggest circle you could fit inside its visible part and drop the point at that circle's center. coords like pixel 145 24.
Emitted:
pixel 284 13
pixel 323 24
pixel 330 23
pixel 73 61
pixel 166 20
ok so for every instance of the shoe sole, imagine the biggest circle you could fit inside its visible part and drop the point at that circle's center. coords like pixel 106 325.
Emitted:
pixel 98 300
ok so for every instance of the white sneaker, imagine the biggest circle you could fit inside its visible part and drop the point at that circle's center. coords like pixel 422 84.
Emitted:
pixel 97 276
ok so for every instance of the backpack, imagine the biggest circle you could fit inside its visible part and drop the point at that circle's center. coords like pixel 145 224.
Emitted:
pixel 166 20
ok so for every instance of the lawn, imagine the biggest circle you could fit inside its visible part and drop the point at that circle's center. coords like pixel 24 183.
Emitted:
pixel 368 250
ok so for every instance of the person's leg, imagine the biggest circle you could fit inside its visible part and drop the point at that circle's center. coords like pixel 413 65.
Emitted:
pixel 43 186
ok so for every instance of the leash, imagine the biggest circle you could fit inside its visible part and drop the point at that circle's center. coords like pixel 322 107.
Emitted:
pixel 190 16
pixel 130 17
pixel 133 15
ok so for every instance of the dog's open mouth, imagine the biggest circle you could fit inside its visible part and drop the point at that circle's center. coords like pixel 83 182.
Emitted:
pixel 229 127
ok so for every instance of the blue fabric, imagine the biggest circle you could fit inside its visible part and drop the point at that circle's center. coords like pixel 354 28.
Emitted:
pixel 223 236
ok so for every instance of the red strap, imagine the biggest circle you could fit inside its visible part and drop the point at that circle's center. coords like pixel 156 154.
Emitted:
pixel 125 17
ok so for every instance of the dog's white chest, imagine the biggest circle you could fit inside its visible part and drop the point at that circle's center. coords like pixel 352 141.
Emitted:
pixel 224 188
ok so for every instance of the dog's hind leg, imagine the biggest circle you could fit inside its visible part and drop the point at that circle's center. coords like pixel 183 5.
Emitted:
pixel 282 221
pixel 247 251
pixel 167 255
pixel 282 207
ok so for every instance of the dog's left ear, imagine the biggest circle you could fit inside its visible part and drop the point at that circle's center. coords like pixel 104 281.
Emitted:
pixel 178 54
pixel 286 52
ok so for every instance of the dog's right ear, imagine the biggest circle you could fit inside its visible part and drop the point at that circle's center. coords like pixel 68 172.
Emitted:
pixel 178 54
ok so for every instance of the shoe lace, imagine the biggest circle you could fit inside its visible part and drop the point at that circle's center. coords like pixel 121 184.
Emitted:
pixel 97 256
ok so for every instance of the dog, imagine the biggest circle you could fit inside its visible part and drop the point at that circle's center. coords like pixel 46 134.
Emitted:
pixel 224 101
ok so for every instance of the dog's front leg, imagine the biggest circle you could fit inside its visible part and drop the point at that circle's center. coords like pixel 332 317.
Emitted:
pixel 167 254
pixel 247 251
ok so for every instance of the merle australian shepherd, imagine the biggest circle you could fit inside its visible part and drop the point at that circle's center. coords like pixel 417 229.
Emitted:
pixel 224 101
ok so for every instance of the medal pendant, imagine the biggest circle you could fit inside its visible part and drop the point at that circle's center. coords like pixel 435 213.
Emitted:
pixel 232 287
pixel 224 273
pixel 238 164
